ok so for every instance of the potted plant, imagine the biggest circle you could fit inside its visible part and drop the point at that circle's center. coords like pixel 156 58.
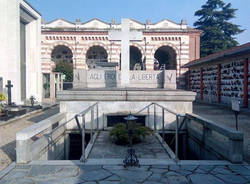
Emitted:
pixel 119 134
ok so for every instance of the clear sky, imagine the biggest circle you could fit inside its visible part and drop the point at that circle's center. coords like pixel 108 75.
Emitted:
pixel 140 10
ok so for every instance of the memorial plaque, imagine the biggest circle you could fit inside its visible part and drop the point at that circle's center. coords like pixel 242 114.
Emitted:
pixel 236 105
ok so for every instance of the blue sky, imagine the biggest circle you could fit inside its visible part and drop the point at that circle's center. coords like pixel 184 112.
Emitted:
pixel 140 10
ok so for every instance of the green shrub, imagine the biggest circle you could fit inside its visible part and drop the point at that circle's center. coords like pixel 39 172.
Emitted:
pixel 119 134
pixel 66 69
pixel 2 97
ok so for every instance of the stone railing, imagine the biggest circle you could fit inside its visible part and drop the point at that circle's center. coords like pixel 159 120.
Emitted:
pixel 225 142
pixel 42 141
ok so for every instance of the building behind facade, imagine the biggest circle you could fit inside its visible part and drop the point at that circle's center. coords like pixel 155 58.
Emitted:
pixel 87 44
pixel 30 50
pixel 20 58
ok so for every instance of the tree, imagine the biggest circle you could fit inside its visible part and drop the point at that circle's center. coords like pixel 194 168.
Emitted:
pixel 65 68
pixel 218 32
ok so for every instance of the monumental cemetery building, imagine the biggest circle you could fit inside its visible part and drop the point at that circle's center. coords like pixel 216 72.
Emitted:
pixel 87 46
pixel 31 51
pixel 20 55
pixel 221 77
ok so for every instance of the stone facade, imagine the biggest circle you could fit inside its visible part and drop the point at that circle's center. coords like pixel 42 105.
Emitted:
pixel 20 57
pixel 80 37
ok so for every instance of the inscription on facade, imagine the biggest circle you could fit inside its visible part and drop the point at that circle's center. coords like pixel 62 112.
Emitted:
pixel 132 77
pixel 112 78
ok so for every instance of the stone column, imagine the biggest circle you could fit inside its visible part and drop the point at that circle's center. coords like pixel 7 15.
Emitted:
pixel 125 56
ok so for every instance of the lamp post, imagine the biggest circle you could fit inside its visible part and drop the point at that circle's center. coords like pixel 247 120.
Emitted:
pixel 131 158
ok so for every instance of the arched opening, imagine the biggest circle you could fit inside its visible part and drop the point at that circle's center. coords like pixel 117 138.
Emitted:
pixel 135 58
pixel 95 55
pixel 165 55
pixel 62 53
pixel 63 58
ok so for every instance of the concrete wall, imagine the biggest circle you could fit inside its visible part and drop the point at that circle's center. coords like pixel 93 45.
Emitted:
pixel 210 141
pixel 124 108
pixel 42 141
pixel 10 48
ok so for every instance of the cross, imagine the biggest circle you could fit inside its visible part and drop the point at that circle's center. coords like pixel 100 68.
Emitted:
pixel 9 86
pixel 125 35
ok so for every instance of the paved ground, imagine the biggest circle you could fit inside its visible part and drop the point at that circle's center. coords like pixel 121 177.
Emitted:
pixel 225 116
pixel 8 135
pixel 173 174
pixel 105 149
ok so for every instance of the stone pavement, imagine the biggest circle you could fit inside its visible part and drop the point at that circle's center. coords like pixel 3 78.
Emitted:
pixel 107 174
pixel 224 116
pixel 8 134
pixel 105 149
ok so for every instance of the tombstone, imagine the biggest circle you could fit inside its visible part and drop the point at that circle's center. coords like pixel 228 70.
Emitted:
pixel 125 35
pixel 1 84
pixel 9 86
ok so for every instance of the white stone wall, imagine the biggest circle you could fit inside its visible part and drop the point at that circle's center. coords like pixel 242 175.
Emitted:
pixel 10 49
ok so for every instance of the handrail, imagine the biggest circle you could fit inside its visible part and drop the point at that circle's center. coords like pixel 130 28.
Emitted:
pixel 82 128
pixel 37 128
pixel 178 115
pixel 55 129
pixel 47 129
pixel 153 103
pixel 144 108
pixel 87 109
pixel 83 112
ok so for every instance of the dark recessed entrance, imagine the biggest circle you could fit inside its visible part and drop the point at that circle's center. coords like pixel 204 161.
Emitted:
pixel 75 141
pixel 112 120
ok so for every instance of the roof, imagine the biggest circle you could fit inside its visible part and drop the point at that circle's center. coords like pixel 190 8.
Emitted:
pixel 32 7
pixel 60 19
pixel 95 19
pixel 220 55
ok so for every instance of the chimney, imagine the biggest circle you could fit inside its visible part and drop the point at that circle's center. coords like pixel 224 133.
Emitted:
pixel 183 24
pixel 148 21
pixel 78 21
pixel 113 21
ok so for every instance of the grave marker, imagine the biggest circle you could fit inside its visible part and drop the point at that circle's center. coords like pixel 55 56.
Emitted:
pixel 236 109
pixel 9 86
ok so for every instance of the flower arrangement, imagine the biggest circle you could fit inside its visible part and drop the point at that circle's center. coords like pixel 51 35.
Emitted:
pixel 2 97
pixel 2 101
